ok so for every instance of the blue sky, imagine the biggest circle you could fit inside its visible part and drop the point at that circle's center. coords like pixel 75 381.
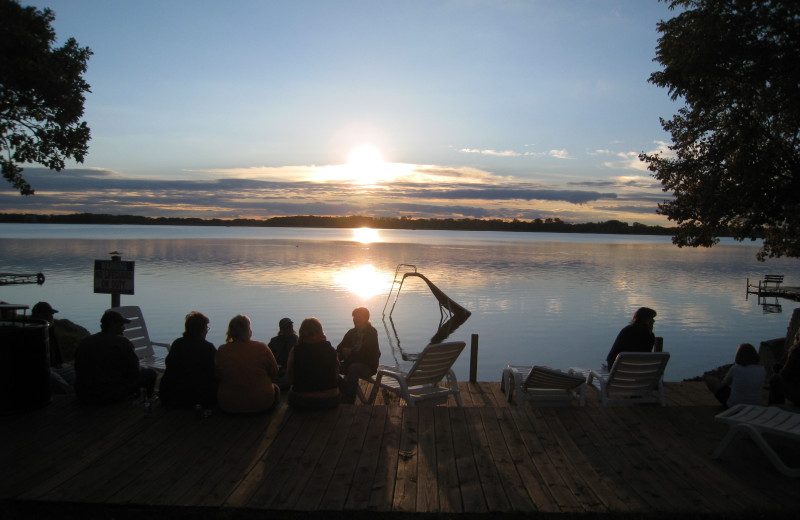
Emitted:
pixel 461 108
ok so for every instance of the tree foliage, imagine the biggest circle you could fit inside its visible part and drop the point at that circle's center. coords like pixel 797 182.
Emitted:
pixel 735 168
pixel 41 94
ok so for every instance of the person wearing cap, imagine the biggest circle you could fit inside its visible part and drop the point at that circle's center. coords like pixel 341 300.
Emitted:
pixel 106 366
pixel 358 353
pixel 637 336
pixel 281 345
pixel 63 375
pixel 190 378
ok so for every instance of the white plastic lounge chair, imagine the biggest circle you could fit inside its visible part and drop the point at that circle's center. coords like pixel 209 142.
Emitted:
pixel 754 420
pixel 136 332
pixel 421 383
pixel 636 377
pixel 543 385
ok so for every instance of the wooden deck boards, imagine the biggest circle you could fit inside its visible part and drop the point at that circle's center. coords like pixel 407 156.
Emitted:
pixel 488 457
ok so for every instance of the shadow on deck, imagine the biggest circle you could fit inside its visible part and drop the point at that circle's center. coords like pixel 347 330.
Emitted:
pixel 487 458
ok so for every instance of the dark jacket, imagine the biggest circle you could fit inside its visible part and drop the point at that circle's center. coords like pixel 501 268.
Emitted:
pixel 636 337
pixel 106 369
pixel 315 367
pixel 189 378
pixel 365 349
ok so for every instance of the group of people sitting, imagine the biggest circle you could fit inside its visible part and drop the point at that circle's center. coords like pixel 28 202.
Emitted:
pixel 241 376
pixel 248 376
pixel 743 383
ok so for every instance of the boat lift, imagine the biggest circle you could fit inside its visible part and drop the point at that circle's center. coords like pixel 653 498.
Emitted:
pixel 445 302
pixel 451 314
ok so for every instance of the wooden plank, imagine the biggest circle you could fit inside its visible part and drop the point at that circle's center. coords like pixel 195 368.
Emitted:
pixel 628 459
pixel 535 486
pixel 364 476
pixel 209 476
pixel 449 486
pixel 324 469
pixel 336 494
pixel 532 428
pixel 272 445
pixel 510 480
pixel 381 497
pixel 307 449
pixel 582 498
pixel 37 471
pixel 103 478
pixel 465 464
pixel 589 460
pixel 405 487
pixel 623 455
pixel 241 464
pixel 491 482
pixel 283 460
pixel 680 464
pixel 427 465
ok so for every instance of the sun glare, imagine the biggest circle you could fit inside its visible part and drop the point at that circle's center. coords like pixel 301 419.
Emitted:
pixel 366 235
pixel 364 155
pixel 364 281
pixel 365 164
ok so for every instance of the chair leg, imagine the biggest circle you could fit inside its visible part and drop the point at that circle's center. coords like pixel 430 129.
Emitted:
pixel 755 434
pixel 376 384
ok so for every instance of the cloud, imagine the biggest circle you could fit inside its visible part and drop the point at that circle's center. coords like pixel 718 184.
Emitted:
pixel 496 153
pixel 423 191
pixel 557 154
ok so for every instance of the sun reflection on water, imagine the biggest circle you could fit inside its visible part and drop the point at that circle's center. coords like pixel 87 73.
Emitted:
pixel 366 235
pixel 364 281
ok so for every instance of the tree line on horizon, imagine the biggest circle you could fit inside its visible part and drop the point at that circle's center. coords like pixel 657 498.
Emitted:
pixel 553 225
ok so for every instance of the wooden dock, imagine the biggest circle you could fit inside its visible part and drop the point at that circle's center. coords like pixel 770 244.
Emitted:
pixel 120 462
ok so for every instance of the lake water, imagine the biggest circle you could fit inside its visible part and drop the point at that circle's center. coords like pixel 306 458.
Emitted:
pixel 535 298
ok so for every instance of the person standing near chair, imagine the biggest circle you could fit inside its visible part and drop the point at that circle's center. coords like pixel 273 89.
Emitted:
pixel 313 369
pixel 359 354
pixel 281 345
pixel 744 382
pixel 637 336
pixel 189 379
pixel 245 369
pixel 106 367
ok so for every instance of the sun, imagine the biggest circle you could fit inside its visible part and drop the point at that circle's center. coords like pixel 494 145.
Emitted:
pixel 365 164
pixel 365 155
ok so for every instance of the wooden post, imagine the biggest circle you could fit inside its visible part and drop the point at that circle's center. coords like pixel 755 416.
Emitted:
pixel 473 360
pixel 115 296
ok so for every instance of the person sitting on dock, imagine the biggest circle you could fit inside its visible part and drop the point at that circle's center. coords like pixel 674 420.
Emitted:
pixel 281 345
pixel 744 382
pixel 245 369
pixel 106 366
pixel 62 375
pixel 637 336
pixel 313 369
pixel 358 353
pixel 786 383
pixel 190 379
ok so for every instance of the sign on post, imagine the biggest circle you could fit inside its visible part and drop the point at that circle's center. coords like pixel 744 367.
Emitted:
pixel 113 277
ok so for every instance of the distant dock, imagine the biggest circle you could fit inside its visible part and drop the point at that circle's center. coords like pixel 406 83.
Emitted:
pixel 771 286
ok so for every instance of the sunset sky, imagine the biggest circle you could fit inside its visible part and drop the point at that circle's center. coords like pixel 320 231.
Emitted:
pixel 436 109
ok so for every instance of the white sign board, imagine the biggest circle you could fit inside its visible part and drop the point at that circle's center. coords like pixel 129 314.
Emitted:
pixel 113 277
